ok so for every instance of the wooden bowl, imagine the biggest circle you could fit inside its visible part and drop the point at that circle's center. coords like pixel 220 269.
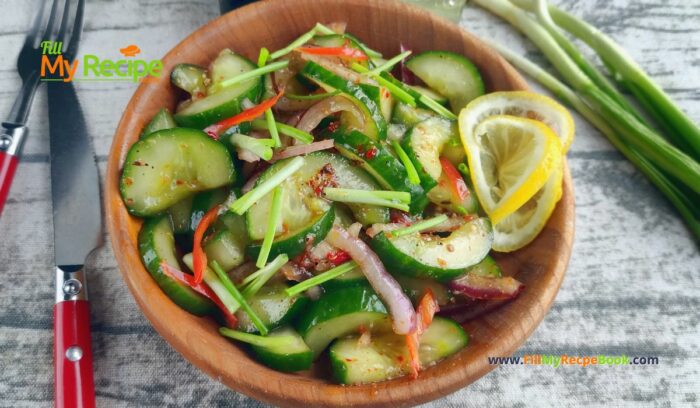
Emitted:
pixel 382 24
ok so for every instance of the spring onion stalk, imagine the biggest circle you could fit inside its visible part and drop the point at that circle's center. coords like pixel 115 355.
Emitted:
pixel 368 197
pixel 312 97
pixel 400 196
pixel 411 171
pixel 668 158
pixel 682 202
pixel 395 90
pixel 269 116
pixel 321 278
pixel 624 66
pixel 260 147
pixel 303 39
pixel 464 169
pixel 263 57
pixel 284 129
pixel 231 288
pixel 249 75
pixel 273 220
pixel 389 64
pixel 320 28
pixel 419 226
pixel 248 199
pixel 263 275
pixel 215 284
pixel 424 99
pixel 257 340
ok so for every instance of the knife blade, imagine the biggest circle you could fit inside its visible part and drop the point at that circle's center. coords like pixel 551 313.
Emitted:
pixel 75 193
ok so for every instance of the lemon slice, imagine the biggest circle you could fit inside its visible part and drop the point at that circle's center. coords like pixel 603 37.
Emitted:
pixel 523 104
pixel 521 227
pixel 510 159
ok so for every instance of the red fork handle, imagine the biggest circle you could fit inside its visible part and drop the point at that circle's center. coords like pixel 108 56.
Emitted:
pixel 8 165
pixel 73 380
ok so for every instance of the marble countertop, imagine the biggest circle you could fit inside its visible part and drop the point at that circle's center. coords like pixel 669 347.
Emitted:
pixel 632 286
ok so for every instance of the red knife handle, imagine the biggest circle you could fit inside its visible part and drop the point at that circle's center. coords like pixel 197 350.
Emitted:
pixel 11 140
pixel 73 376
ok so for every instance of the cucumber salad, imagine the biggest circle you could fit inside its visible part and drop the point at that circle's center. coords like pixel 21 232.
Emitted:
pixel 320 200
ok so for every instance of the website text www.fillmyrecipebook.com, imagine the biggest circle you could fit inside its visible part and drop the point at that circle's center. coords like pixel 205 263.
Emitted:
pixel 574 360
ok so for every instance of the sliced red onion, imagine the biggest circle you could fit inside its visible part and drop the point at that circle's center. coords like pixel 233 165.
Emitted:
pixel 375 229
pixel 400 308
pixel 325 107
pixel 298 150
pixel 480 287
pixel 354 229
pixel 250 183
pixel 338 26
pixel 405 74
pixel 247 156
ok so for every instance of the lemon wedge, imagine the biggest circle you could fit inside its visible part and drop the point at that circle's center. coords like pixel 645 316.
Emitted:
pixel 523 104
pixel 510 160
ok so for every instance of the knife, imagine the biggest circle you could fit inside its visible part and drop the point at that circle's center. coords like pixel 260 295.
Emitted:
pixel 77 229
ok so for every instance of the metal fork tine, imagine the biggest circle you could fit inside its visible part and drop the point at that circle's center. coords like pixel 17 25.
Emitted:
pixel 75 30
pixel 58 14
pixel 41 22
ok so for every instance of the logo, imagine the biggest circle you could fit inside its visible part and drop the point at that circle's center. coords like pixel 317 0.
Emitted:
pixel 54 67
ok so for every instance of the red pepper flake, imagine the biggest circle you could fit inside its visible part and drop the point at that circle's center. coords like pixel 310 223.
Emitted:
pixel 325 177
pixel 371 153
pixel 400 217
pixel 179 182
pixel 333 126
pixel 337 257
pixel 137 163
pixel 128 181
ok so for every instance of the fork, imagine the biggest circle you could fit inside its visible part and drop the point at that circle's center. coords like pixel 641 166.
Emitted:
pixel 52 23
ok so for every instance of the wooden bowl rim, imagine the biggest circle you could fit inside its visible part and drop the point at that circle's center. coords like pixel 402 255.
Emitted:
pixel 245 375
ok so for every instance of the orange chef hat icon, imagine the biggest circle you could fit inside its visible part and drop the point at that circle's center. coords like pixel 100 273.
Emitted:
pixel 130 50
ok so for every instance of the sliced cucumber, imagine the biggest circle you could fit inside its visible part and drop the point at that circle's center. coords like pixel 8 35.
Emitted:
pixel 273 306
pixel 226 102
pixel 487 268
pixel 382 165
pixel 407 115
pixel 339 313
pixel 364 96
pixel 423 145
pixel 339 40
pixel 157 244
pixel 435 257
pixel 180 214
pixel 415 288
pixel 203 202
pixel 191 79
pixel 386 356
pixel 295 242
pixel 227 247
pixel 449 74
pixel 170 165
pixel 291 356
pixel 443 196
pixel 163 119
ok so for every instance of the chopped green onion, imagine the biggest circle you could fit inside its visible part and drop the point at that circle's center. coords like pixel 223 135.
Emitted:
pixel 303 39
pixel 436 107
pixel 395 90
pixel 464 169
pixel 312 96
pixel 215 284
pixel 323 29
pixel 290 131
pixel 273 220
pixel 321 278
pixel 261 276
pixel 260 147
pixel 256 340
pixel 407 163
pixel 419 226
pixel 391 199
pixel 327 31
pixel 248 199
pixel 272 127
pixel 263 56
pixel 231 288
pixel 249 75
pixel 389 64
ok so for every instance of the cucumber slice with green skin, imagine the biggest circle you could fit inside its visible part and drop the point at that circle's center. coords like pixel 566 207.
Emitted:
pixel 227 102
pixel 443 196
pixel 382 165
pixel 423 145
pixel 203 202
pixel 163 119
pixel 226 248
pixel 449 74
pixel 434 257
pixel 191 79
pixel 157 244
pixel 339 40
pixel 296 242
pixel 386 356
pixel 289 357
pixel 415 288
pixel 273 306
pixel 487 268
pixel 180 214
pixel 375 125
pixel 170 165
pixel 341 312
pixel 407 115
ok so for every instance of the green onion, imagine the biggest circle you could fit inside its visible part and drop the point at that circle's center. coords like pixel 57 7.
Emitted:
pixel 263 56
pixel 419 226
pixel 272 128
pixel 400 196
pixel 389 64
pixel 261 276
pixel 464 169
pixel 312 97
pixel 215 284
pixel 256 340
pixel 436 107
pixel 407 163
pixel 363 197
pixel 273 220
pixel 248 199
pixel 303 39
pixel 260 147
pixel 249 75
pixel 323 29
pixel 290 131
pixel 321 278
pixel 395 90
pixel 645 140
pixel 231 288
